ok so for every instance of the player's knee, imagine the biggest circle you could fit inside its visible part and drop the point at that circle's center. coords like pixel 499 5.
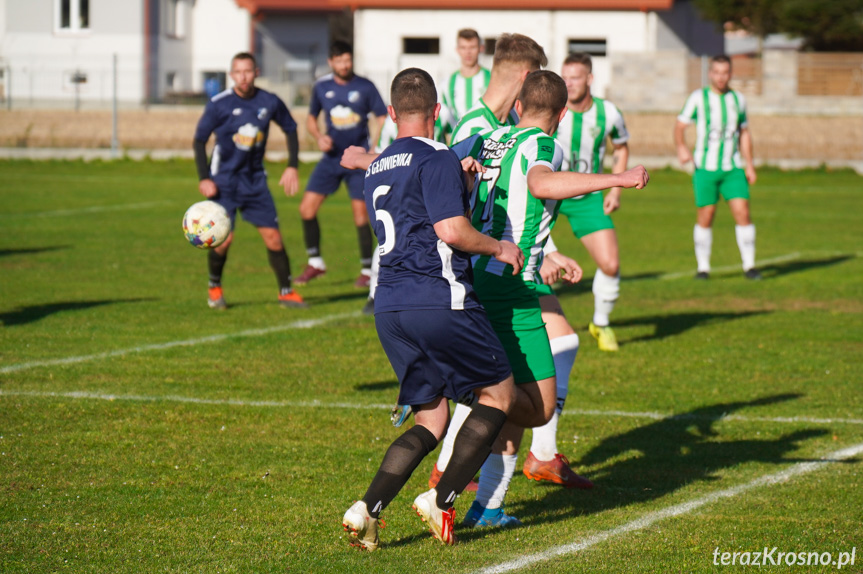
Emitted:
pixel 610 267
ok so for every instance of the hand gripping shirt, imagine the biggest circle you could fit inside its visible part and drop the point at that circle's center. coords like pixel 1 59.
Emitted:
pixel 413 184
pixel 241 126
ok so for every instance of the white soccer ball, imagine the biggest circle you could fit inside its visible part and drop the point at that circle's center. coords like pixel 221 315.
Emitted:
pixel 206 224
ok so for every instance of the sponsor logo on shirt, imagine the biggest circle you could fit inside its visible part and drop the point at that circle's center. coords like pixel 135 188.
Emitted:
pixel 247 137
pixel 716 134
pixel 492 149
pixel 344 118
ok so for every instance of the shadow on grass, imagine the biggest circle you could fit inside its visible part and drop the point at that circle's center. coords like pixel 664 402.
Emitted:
pixel 789 267
pixel 377 386
pixel 671 325
pixel 34 313
pixel 659 458
pixel 32 250
pixel 360 295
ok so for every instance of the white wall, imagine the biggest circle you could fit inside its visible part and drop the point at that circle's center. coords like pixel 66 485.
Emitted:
pixel 220 29
pixel 378 37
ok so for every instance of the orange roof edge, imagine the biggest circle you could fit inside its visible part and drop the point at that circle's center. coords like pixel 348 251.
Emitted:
pixel 255 6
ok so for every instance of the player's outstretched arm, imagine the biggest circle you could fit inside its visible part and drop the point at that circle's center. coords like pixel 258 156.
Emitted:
pixel 356 157
pixel 544 183
pixel 459 233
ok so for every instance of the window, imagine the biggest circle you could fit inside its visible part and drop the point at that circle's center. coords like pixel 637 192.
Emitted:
pixel 171 80
pixel 175 18
pixel 592 47
pixel 421 45
pixel 490 45
pixel 72 15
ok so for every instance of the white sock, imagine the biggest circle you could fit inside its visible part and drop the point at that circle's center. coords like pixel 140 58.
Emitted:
pixel 746 242
pixel 494 478
pixel 318 263
pixel 459 415
pixel 606 289
pixel 703 237
pixel 376 263
pixel 564 350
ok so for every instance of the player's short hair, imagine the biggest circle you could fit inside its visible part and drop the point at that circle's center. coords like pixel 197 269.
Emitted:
pixel 720 59
pixel 519 49
pixel 582 58
pixel 413 93
pixel 340 47
pixel 543 91
pixel 468 34
pixel 245 56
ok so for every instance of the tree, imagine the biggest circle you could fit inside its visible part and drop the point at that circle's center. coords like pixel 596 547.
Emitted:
pixel 834 26
pixel 758 17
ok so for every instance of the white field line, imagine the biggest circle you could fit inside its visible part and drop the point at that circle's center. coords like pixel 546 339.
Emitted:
pixel 672 511
pixel 84 210
pixel 356 406
pixel 304 324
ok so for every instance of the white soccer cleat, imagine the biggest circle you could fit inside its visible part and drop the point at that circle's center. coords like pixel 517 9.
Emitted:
pixel 362 528
pixel 440 521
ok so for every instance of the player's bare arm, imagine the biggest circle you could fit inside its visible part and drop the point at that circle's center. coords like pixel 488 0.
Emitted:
pixel 611 203
pixel 683 153
pixel 544 183
pixel 459 233
pixel 376 125
pixel 746 154
pixel 356 157
pixel 325 142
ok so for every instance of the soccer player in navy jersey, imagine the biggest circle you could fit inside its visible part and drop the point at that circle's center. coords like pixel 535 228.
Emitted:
pixel 346 101
pixel 429 320
pixel 235 176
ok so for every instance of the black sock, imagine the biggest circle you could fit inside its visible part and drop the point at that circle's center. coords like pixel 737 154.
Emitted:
pixel 215 264
pixel 401 459
pixel 472 446
pixel 364 233
pixel 282 266
pixel 312 235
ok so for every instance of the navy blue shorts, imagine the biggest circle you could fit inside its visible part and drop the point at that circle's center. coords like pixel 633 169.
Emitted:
pixel 328 175
pixel 438 352
pixel 252 197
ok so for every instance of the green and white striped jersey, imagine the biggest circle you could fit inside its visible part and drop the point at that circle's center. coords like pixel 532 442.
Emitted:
pixel 583 136
pixel 479 119
pixel 461 93
pixel 504 207
pixel 718 121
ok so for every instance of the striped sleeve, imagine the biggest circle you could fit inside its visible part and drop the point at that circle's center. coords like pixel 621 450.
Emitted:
pixel 619 133
pixel 690 108
pixel 742 119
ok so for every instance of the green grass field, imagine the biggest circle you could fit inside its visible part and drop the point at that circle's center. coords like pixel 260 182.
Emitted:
pixel 142 432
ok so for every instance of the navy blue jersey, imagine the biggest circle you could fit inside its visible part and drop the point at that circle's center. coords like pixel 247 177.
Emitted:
pixel 346 109
pixel 412 185
pixel 241 127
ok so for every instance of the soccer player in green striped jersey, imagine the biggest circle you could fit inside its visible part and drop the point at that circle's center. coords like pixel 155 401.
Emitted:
pixel 464 87
pixel 589 123
pixel 723 163
pixel 517 198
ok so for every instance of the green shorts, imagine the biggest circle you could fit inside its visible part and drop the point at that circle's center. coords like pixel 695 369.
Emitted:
pixel 709 185
pixel 512 306
pixel 586 215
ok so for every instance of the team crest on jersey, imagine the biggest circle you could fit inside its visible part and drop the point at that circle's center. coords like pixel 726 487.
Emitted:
pixel 344 118
pixel 353 96
pixel 262 113
pixel 330 94
pixel 595 132
pixel 247 137
pixel 237 111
